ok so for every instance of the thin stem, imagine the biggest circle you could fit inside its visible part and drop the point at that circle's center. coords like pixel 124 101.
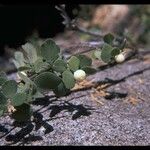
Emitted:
pixel 72 25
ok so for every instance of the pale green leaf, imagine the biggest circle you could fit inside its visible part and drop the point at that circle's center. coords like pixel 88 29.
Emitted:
pixel 74 63
pixel 68 79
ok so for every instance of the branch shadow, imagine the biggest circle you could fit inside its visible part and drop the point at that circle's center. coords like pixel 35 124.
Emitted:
pixel 113 95
pixel 112 82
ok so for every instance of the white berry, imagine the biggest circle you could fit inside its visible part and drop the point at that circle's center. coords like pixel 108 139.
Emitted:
pixel 119 58
pixel 79 75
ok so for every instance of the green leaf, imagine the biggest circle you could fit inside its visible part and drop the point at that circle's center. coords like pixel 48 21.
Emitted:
pixel 9 88
pixel 47 81
pixel 21 88
pixel 40 66
pixel 89 70
pixel 3 77
pixel 3 74
pixel 17 65
pixel 74 63
pixel 38 95
pixel 31 91
pixel 28 83
pixel 22 113
pixel 60 65
pixel 18 99
pixel 106 53
pixel 61 90
pixel 115 51
pixel 84 60
pixel 97 54
pixel 3 99
pixel 19 60
pixel 30 97
pixel 36 42
pixel 108 38
pixel 3 108
pixel 50 51
pixel 68 79
pixel 34 88
pixel 1 112
pixel 2 80
pixel 31 52
pixel 23 68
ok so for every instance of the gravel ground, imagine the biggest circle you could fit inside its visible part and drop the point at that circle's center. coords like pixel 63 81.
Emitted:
pixel 78 120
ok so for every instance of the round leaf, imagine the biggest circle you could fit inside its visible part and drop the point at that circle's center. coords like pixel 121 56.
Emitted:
pixel 115 51
pixel 47 81
pixel 3 99
pixel 89 70
pixel 39 66
pixel 68 79
pixel 74 63
pixel 3 74
pixel 19 59
pixel 97 54
pixel 60 65
pixel 49 50
pixel 2 80
pixel 31 52
pixel 61 90
pixel 18 99
pixel 9 88
pixel 84 60
pixel 108 38
pixel 106 53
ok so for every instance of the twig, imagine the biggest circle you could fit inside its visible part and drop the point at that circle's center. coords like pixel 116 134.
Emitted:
pixel 72 25
pixel 67 21
pixel 89 46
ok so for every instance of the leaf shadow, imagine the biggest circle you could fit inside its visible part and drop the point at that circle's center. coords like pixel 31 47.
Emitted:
pixel 39 122
pixel 3 129
pixel 31 138
pixel 24 135
pixel 76 111
pixel 20 134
